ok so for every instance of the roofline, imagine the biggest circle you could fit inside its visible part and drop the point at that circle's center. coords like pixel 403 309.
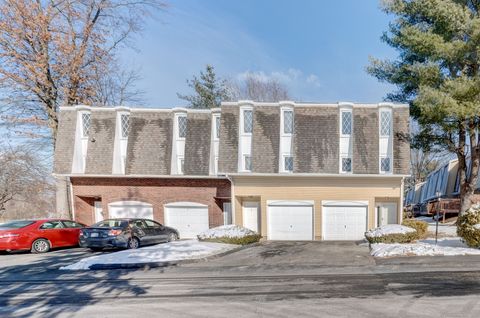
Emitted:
pixel 301 104
pixel 136 176
pixel 238 103
pixel 317 175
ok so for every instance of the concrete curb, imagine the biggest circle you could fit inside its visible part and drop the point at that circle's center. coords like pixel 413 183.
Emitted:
pixel 167 264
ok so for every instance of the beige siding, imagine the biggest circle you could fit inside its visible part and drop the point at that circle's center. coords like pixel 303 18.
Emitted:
pixel 318 189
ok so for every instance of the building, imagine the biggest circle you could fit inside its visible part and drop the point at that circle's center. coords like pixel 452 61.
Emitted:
pixel 290 171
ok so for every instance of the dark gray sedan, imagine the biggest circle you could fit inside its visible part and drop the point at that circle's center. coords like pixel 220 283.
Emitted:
pixel 125 233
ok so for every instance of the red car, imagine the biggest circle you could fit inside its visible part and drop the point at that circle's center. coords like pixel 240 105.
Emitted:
pixel 39 236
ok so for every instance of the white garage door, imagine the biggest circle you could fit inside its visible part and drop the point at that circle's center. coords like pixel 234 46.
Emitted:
pixel 290 221
pixel 130 209
pixel 346 221
pixel 190 219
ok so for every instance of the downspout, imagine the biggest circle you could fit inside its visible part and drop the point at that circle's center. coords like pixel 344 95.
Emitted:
pixel 401 199
pixel 232 195
pixel 71 206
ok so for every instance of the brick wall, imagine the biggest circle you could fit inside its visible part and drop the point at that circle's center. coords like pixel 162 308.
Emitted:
pixel 157 192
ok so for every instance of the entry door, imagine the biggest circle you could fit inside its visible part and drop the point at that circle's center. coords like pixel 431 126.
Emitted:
pixel 98 215
pixel 387 214
pixel 251 215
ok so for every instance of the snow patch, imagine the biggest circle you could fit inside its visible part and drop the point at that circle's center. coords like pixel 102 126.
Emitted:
pixel 168 252
pixel 232 231
pixel 389 229
pixel 477 226
pixel 427 247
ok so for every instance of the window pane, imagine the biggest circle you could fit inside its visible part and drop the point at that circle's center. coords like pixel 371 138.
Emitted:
pixel 288 122
pixel 85 124
pixel 182 126
pixel 346 164
pixel 52 225
pixel 71 224
pixel 289 163
pixel 247 121
pixel 217 127
pixel 346 123
pixel 248 163
pixel 125 120
pixel 385 123
pixel 385 164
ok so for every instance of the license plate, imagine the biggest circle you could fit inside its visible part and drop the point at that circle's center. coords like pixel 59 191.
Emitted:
pixel 93 234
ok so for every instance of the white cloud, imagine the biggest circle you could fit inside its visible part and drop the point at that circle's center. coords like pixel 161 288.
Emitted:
pixel 290 77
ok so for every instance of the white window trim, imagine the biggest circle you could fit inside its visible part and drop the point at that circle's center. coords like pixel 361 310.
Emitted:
pixel 282 121
pixel 284 168
pixel 244 163
pixel 242 120
pixel 180 171
pixel 389 109
pixel 177 124
pixel 345 108
pixel 216 128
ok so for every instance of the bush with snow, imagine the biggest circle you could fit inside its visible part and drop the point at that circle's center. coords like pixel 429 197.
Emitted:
pixel 468 226
pixel 230 234
pixel 392 233
pixel 420 226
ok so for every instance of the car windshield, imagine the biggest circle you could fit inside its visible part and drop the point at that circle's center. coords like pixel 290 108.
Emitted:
pixel 15 224
pixel 111 223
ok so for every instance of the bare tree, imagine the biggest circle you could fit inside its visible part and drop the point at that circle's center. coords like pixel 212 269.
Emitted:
pixel 259 89
pixel 51 50
pixel 22 178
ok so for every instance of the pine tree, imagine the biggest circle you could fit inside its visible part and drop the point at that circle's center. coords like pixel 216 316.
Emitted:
pixel 210 90
pixel 437 72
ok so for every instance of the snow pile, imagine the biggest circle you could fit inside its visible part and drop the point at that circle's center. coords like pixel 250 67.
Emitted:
pixel 231 231
pixel 168 252
pixel 477 226
pixel 389 229
pixel 445 247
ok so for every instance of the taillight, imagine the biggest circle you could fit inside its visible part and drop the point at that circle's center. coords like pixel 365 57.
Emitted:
pixel 8 235
pixel 80 233
pixel 114 232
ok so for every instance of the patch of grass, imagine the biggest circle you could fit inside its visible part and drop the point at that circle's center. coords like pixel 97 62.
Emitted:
pixel 465 227
pixel 420 226
pixel 249 239
pixel 394 238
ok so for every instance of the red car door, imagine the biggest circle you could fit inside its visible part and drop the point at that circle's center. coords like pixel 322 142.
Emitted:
pixel 72 231
pixel 54 231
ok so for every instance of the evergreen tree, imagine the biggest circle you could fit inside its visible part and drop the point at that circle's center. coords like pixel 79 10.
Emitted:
pixel 437 72
pixel 210 90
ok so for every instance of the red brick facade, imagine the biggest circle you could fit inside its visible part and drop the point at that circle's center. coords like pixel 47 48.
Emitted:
pixel 158 192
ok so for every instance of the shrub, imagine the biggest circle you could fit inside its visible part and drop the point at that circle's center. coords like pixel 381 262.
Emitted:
pixel 249 239
pixel 392 233
pixel 468 228
pixel 420 226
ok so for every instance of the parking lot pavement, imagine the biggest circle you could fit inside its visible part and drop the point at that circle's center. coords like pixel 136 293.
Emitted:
pixel 19 261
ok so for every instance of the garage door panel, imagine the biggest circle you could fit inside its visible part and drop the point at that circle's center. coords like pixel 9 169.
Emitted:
pixel 290 222
pixel 189 221
pixel 344 222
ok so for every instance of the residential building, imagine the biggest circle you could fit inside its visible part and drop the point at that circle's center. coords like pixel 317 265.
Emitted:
pixel 290 171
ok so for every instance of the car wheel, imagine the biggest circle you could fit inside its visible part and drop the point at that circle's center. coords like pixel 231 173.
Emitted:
pixel 172 237
pixel 40 246
pixel 133 243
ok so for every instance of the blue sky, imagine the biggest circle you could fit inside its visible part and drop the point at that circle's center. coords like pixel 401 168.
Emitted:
pixel 318 48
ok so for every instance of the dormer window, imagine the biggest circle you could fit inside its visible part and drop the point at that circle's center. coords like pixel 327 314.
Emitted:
pixel 85 125
pixel 125 123
pixel 385 164
pixel 217 127
pixel 247 121
pixel 346 123
pixel 287 122
pixel 288 163
pixel 182 126
pixel 385 123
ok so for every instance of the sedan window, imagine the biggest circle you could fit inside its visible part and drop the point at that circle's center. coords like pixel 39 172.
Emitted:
pixel 51 225
pixel 138 223
pixel 151 223
pixel 111 223
pixel 15 224
pixel 71 224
